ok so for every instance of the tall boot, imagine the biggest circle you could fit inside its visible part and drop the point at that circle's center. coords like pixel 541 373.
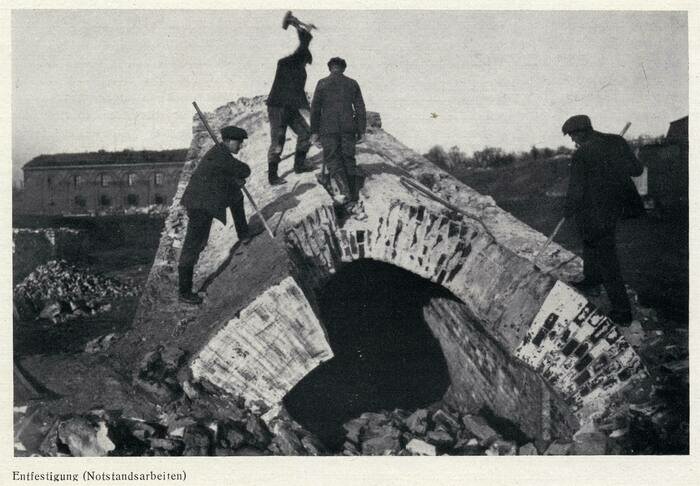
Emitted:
pixel 300 165
pixel 272 176
pixel 185 286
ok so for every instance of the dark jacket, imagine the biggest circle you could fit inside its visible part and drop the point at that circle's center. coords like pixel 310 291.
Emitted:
pixel 214 183
pixel 290 77
pixel 338 107
pixel 600 188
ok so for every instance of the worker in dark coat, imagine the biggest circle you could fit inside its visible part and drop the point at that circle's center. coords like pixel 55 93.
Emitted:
pixel 214 186
pixel 339 120
pixel 600 194
pixel 287 97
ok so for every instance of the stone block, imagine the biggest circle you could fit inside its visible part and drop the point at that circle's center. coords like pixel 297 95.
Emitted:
pixel 447 420
pixel 85 438
pixel 381 446
pixel 440 438
pixel 417 422
pixel 478 426
pixel 418 447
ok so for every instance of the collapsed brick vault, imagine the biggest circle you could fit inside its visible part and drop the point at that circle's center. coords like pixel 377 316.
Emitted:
pixel 519 340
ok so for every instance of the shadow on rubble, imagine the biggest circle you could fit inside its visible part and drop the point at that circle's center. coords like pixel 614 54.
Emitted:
pixel 385 356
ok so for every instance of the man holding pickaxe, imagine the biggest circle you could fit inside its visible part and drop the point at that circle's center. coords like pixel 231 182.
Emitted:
pixel 214 186
pixel 286 98
pixel 600 194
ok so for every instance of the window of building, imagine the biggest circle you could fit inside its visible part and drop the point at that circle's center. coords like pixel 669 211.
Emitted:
pixel 105 200
pixel 159 199
pixel 159 179
pixel 104 180
pixel 77 180
pixel 131 179
pixel 132 199
pixel 80 201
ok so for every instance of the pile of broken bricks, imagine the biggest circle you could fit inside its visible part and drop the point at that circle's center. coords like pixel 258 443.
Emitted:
pixel 437 431
pixel 197 418
pixel 58 291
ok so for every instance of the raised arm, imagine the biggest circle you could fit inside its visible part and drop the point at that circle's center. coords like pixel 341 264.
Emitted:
pixel 302 55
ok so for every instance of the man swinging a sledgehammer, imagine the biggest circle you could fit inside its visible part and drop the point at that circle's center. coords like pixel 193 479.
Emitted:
pixel 287 97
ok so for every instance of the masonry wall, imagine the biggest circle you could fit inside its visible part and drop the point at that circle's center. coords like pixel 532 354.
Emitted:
pixel 95 189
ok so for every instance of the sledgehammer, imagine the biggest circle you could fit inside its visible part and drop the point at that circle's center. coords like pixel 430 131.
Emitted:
pixel 243 188
pixel 549 240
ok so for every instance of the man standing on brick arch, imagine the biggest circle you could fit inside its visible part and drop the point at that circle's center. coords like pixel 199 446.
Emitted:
pixel 339 120
pixel 286 98
pixel 600 194
pixel 214 186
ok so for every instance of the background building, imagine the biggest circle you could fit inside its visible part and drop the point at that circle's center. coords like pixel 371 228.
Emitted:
pixel 667 167
pixel 100 182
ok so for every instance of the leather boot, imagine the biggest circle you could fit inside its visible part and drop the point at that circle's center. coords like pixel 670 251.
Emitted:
pixel 300 165
pixel 272 176
pixel 185 286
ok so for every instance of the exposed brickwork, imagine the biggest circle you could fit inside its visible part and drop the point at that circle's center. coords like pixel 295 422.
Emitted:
pixel 579 351
pixel 265 351
pixel 481 254
pixel 482 373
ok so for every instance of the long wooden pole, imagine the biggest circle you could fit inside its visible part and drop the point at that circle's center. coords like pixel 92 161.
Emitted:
pixel 243 188
pixel 561 221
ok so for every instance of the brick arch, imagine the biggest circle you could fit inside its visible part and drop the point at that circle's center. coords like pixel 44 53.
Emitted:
pixel 555 341
pixel 538 351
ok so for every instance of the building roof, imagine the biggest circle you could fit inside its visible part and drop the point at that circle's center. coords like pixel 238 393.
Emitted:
pixel 130 157
pixel 678 130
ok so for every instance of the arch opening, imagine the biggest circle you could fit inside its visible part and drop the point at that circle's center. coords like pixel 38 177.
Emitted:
pixel 385 356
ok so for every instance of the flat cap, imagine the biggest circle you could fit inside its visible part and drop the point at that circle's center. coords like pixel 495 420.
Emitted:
pixel 339 61
pixel 233 133
pixel 576 123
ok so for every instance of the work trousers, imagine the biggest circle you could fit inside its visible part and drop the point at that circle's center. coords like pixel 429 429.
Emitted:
pixel 339 158
pixel 197 236
pixel 601 265
pixel 282 117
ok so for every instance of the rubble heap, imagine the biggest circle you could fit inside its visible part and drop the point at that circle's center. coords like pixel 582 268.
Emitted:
pixel 195 420
pixel 33 247
pixel 107 433
pixel 60 291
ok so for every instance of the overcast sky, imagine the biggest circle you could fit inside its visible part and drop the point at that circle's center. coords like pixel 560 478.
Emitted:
pixel 106 79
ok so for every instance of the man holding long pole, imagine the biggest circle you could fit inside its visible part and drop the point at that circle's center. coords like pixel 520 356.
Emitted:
pixel 600 194
pixel 214 186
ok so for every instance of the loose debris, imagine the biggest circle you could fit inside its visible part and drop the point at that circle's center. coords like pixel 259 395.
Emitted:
pixel 101 344
pixel 199 419
pixel 59 291
pixel 213 426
